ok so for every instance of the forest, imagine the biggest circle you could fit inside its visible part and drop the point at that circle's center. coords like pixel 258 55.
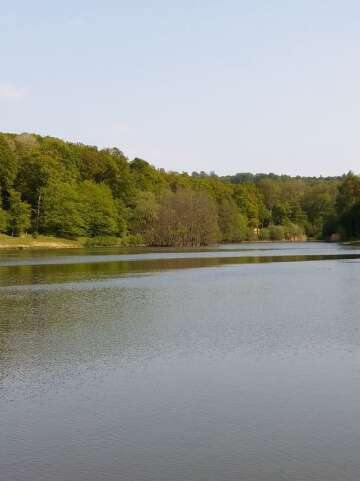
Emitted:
pixel 71 190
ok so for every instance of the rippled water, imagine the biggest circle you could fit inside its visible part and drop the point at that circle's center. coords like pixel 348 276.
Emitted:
pixel 237 363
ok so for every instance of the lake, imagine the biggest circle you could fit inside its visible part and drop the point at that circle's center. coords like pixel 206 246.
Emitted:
pixel 240 362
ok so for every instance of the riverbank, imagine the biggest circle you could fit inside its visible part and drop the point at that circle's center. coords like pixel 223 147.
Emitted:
pixel 40 242
pixel 51 242
pixel 28 242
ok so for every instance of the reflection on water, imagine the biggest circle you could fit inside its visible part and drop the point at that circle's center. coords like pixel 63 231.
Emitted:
pixel 246 370
pixel 62 267
pixel 109 254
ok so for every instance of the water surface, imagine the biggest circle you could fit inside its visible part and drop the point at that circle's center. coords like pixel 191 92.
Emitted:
pixel 237 363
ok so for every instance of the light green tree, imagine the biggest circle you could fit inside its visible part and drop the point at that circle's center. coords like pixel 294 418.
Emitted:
pixel 3 220
pixel 99 210
pixel 8 165
pixel 62 210
pixel 19 214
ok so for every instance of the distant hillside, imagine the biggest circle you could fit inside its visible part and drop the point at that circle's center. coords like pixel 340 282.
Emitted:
pixel 52 187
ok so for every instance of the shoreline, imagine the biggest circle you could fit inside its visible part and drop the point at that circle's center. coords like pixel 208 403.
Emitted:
pixel 41 242
pixel 8 243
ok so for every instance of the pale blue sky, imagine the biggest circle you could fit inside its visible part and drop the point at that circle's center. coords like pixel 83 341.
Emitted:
pixel 189 85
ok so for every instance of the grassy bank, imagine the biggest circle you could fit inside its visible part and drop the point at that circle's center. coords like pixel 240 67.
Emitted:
pixel 40 242
pixel 51 242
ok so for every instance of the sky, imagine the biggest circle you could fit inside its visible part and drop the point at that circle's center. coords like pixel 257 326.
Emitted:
pixel 226 86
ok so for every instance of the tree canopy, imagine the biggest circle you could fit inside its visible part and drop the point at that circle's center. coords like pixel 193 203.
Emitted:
pixel 66 189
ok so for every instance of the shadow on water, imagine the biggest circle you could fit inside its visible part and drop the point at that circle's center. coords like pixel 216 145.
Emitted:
pixel 11 275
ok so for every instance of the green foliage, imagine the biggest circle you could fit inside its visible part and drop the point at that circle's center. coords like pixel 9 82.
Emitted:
pixel 99 210
pixel 276 232
pixel 292 232
pixel 233 225
pixel 18 214
pixel 3 220
pixel 146 177
pixel 59 188
pixel 319 206
pixel 8 166
pixel 62 210
pixel 346 221
pixel 250 203
pixel 350 222
pixel 186 218
pixel 125 241
pixel 36 170
pixel 349 193
pixel 264 234
pixel 144 216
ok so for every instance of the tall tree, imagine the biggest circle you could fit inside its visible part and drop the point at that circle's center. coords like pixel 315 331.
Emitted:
pixel 8 166
pixel 19 214
pixel 3 220
pixel 62 210
pixel 186 219
pixel 99 210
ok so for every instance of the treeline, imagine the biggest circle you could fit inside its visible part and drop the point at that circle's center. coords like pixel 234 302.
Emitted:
pixel 53 187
